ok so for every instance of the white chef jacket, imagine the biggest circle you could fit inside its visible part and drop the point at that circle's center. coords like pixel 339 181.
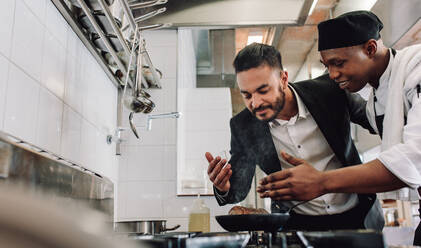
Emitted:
pixel 398 88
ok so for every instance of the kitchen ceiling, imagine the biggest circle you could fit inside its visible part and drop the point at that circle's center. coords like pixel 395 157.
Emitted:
pixel 291 29
pixel 232 13
pixel 296 42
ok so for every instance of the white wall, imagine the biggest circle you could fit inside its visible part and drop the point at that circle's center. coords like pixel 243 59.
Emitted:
pixel 203 128
pixel 53 94
pixel 148 177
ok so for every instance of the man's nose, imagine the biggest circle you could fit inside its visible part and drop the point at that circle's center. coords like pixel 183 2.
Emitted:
pixel 334 74
pixel 256 101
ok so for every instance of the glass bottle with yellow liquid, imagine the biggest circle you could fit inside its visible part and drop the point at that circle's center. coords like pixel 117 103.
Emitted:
pixel 199 219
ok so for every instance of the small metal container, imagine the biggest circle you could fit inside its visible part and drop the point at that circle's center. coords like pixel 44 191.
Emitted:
pixel 115 43
pixel 143 227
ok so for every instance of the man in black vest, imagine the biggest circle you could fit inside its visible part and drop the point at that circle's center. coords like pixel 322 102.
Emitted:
pixel 310 119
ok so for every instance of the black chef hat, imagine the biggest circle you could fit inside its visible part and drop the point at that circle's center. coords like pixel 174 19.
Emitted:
pixel 350 29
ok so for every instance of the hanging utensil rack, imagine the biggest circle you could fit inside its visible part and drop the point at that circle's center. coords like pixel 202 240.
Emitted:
pixel 114 38
pixel 119 71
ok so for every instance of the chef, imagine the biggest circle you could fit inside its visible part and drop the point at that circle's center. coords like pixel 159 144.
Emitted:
pixel 354 54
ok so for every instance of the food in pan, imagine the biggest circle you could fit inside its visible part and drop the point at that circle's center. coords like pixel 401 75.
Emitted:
pixel 236 210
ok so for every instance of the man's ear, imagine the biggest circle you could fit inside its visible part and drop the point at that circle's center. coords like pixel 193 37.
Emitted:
pixel 370 48
pixel 284 78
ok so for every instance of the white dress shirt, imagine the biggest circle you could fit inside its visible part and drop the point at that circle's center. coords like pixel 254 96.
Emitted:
pixel 404 158
pixel 301 137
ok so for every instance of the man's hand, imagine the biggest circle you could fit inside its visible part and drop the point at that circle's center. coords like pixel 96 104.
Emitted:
pixel 301 183
pixel 218 173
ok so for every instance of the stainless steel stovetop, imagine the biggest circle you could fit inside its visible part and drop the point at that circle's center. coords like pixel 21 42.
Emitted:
pixel 343 239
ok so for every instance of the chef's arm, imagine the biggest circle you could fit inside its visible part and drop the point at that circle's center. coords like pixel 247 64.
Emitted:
pixel 304 182
pixel 396 167
pixel 371 177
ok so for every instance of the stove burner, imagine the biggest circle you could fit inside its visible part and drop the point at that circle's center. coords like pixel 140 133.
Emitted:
pixel 299 239
pixel 279 239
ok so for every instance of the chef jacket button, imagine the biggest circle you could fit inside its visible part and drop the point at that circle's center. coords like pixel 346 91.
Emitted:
pixel 328 206
pixel 299 146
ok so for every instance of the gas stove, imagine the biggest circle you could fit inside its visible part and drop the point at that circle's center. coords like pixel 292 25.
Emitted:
pixel 290 239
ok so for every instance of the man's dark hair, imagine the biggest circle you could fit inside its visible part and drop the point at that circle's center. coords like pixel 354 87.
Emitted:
pixel 255 55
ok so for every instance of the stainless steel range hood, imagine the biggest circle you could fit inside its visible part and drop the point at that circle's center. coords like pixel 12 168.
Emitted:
pixel 215 52
pixel 231 13
pixel 398 17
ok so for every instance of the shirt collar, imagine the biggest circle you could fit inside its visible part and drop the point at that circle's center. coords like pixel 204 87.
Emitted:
pixel 302 113
pixel 384 78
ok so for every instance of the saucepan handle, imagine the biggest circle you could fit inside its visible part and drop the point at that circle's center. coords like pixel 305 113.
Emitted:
pixel 132 126
pixel 172 228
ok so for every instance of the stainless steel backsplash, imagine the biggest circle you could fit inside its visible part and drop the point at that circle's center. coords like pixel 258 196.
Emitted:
pixel 43 173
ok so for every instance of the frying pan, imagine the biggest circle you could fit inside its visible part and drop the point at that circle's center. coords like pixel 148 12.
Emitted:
pixel 255 222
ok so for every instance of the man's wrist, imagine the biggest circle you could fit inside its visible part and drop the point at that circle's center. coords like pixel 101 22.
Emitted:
pixel 326 183
pixel 220 192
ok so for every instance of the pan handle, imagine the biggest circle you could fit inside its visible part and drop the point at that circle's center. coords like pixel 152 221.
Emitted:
pixel 295 205
pixel 132 126
pixel 172 228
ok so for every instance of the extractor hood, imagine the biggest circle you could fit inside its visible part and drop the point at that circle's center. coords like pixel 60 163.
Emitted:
pixel 398 18
pixel 231 13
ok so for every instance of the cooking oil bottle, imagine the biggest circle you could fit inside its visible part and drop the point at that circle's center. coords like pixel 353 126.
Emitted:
pixel 199 219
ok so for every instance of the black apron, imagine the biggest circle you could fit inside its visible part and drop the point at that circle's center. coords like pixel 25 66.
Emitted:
pixel 379 124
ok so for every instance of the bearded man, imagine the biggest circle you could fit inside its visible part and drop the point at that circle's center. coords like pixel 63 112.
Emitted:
pixel 310 119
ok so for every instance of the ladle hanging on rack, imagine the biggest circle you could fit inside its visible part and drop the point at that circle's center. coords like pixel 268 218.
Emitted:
pixel 138 101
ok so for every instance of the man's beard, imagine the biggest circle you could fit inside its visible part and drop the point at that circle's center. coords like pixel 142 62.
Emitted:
pixel 277 107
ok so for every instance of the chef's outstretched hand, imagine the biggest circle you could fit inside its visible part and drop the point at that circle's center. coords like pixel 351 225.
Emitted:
pixel 219 172
pixel 302 182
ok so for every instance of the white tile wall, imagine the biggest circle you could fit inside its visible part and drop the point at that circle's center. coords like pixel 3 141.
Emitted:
pixel 55 23
pixel 37 7
pixel 88 144
pixel 145 199
pixel 54 65
pixel 22 99
pixel 106 162
pixel 169 171
pixel 52 92
pixel 71 134
pixel 73 83
pixel 4 70
pixel 122 198
pixel 148 166
pixel 27 48
pixel 209 140
pixel 50 113
pixel 7 12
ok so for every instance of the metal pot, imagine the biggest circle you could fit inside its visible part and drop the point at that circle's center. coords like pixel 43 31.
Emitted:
pixel 115 43
pixel 143 227
pixel 148 76
pixel 102 21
